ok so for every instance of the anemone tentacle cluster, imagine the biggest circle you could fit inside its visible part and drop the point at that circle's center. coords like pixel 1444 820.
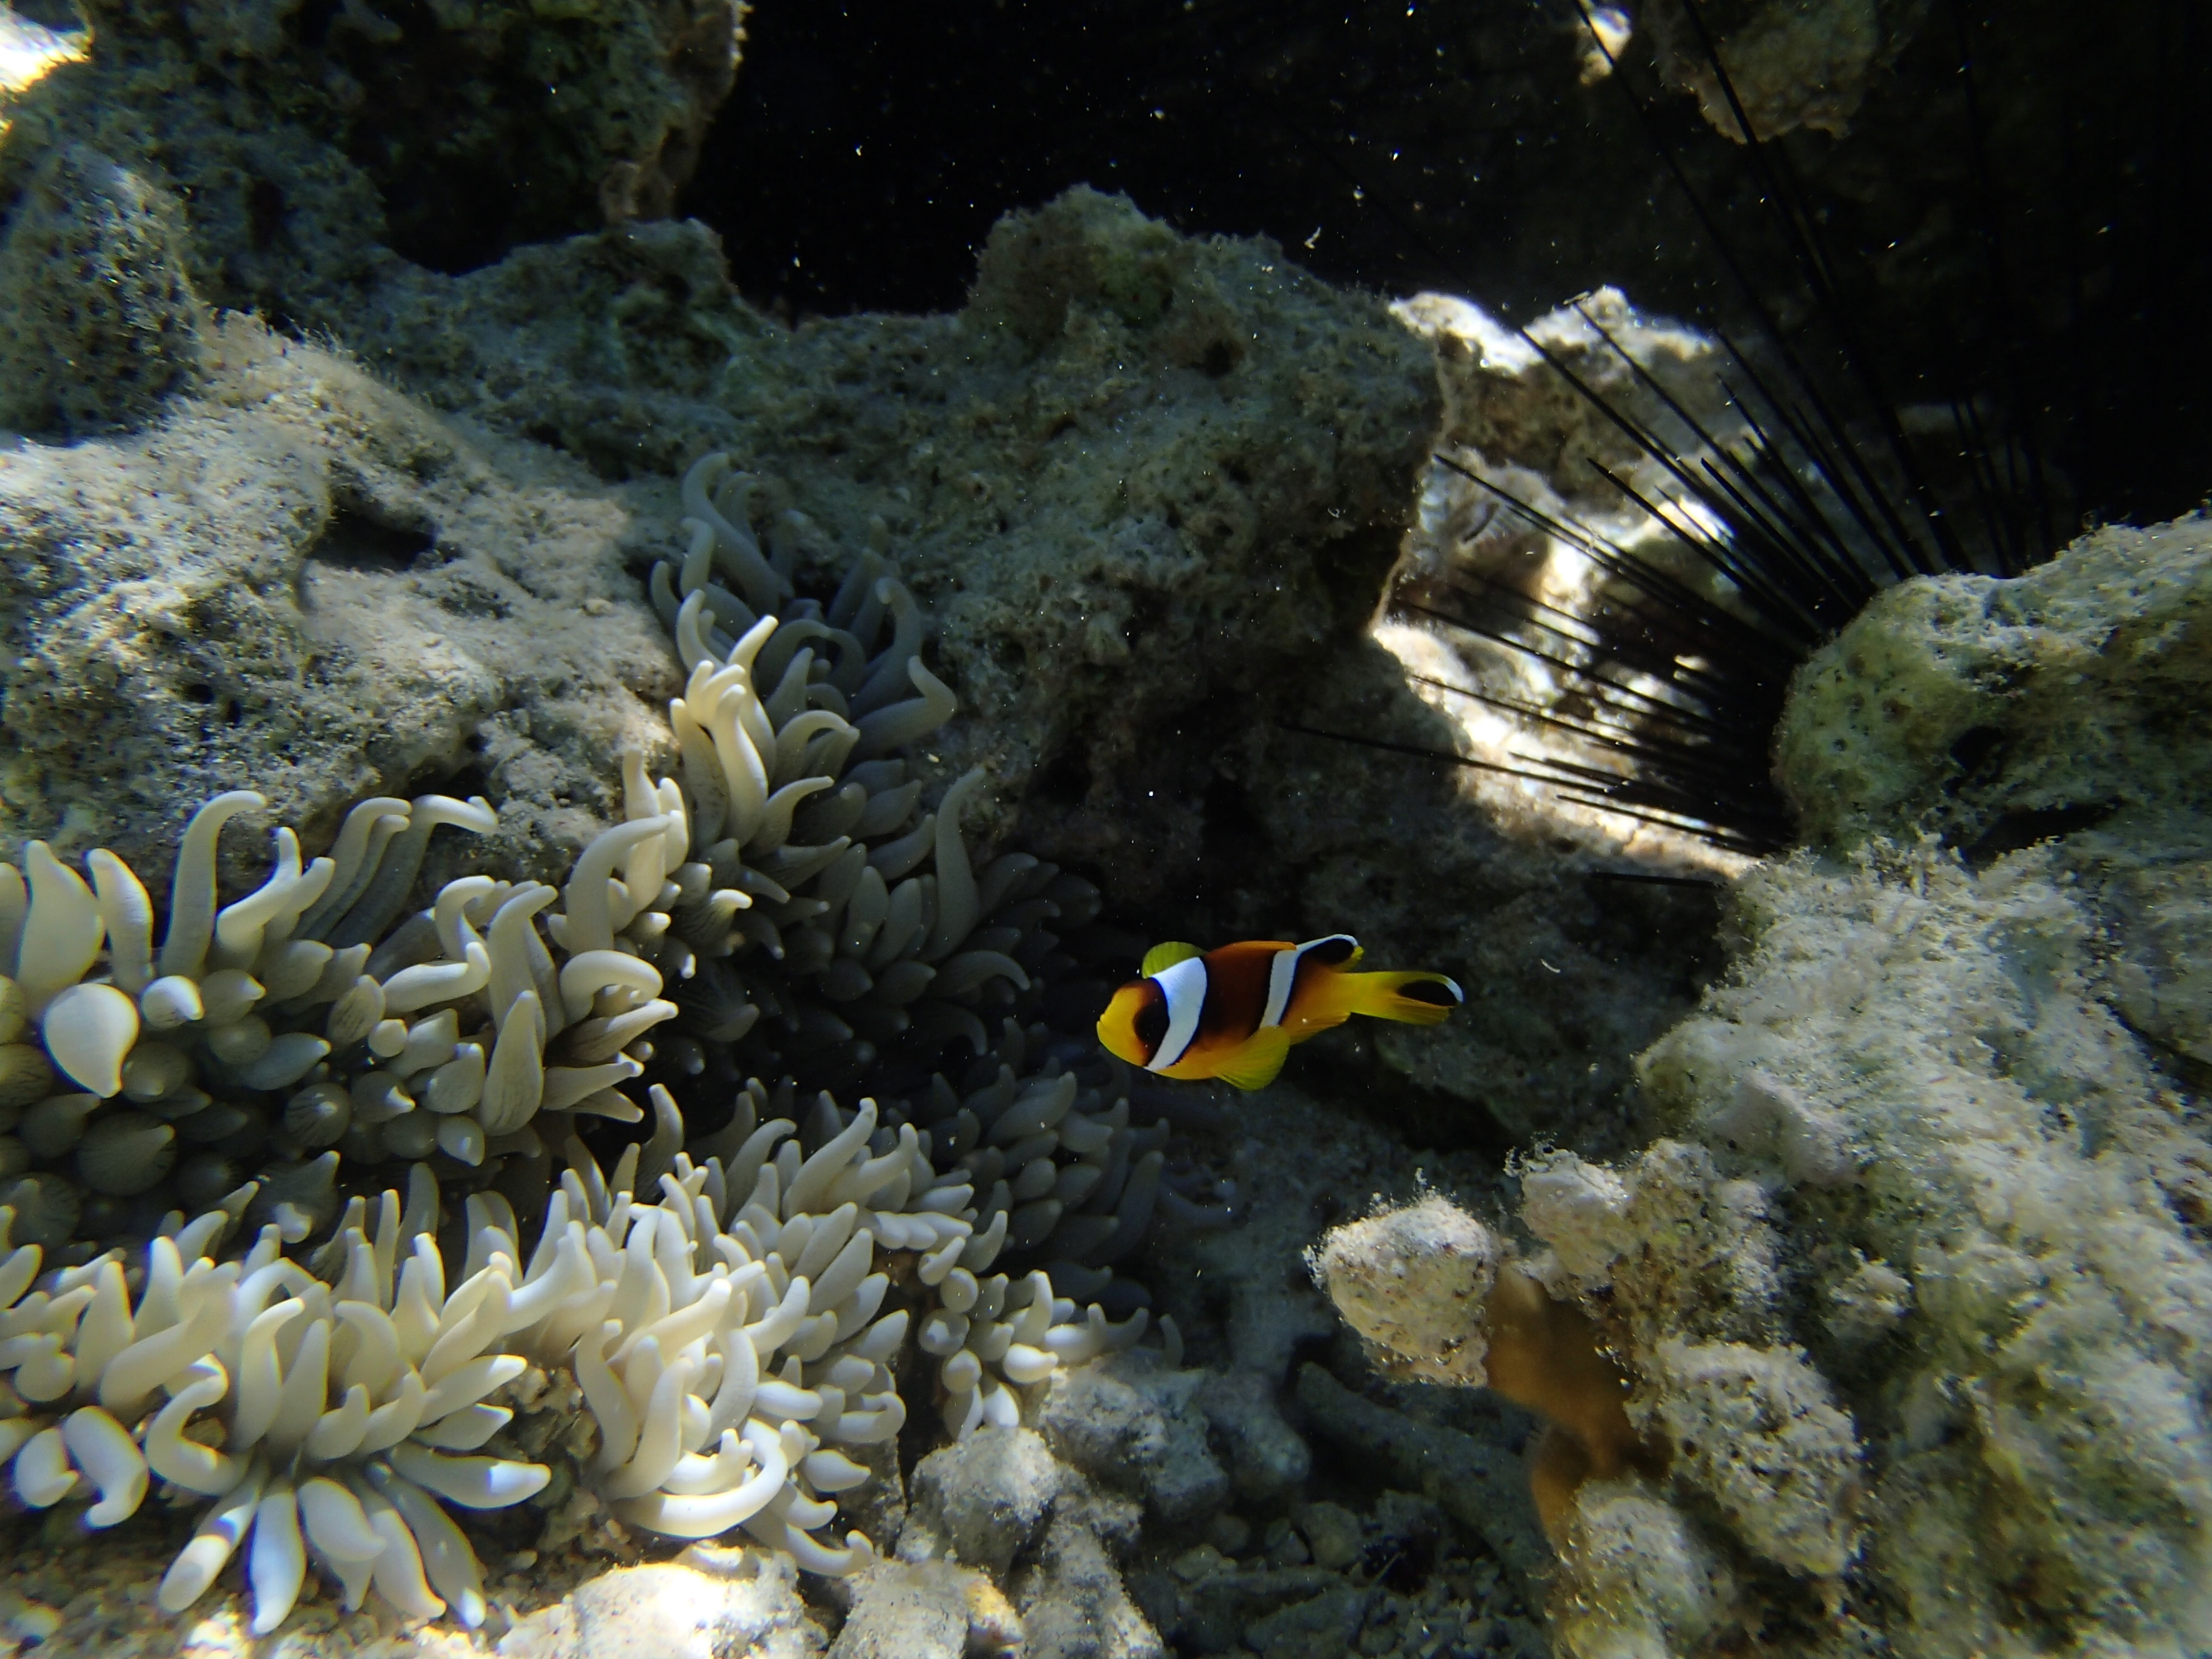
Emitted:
pixel 298 1018
pixel 730 1353
pixel 840 919
pixel 1051 1150
pixel 994 1334
pixel 847 918
pixel 734 1308
pixel 323 1419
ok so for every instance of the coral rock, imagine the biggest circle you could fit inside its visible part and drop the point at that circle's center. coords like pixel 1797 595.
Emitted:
pixel 982 1500
pixel 928 1610
pixel 1640 1583
pixel 312 584
pixel 1413 1282
pixel 1758 1429
pixel 98 321
pixel 1073 1604
pixel 1994 712
pixel 708 1604
pixel 1133 1425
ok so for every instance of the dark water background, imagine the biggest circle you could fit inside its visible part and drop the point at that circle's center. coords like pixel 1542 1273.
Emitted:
pixel 2016 217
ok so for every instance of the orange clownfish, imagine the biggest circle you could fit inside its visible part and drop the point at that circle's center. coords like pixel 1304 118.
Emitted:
pixel 1233 1013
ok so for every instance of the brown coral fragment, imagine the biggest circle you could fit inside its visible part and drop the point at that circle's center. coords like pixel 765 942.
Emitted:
pixel 1429 1286
pixel 1545 1354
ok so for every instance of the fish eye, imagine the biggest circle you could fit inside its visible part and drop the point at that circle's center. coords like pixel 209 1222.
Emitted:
pixel 1151 1025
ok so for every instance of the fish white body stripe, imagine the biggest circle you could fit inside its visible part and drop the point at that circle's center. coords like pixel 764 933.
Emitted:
pixel 1283 975
pixel 1184 987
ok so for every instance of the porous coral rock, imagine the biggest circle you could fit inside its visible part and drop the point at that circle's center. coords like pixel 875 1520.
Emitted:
pixel 1131 1424
pixel 1072 1602
pixel 1993 713
pixel 98 320
pixel 1639 1583
pixel 1413 1282
pixel 2034 1418
pixel 1687 1249
pixel 305 582
pixel 708 1603
pixel 926 1610
pixel 1000 1499
pixel 981 1500
pixel 1757 1430
pixel 1314 1629
pixel 1440 1299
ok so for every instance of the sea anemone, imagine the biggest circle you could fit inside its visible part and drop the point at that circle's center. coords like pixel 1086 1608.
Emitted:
pixel 321 1418
pixel 297 1019
pixel 728 1340
pixel 829 917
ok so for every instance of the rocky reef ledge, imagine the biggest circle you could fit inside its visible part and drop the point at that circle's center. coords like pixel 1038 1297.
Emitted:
pixel 1905 1317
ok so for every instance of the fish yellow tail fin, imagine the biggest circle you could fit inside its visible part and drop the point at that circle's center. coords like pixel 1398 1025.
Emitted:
pixel 1417 998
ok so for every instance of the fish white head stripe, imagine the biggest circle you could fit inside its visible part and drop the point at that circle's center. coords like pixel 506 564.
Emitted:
pixel 1184 987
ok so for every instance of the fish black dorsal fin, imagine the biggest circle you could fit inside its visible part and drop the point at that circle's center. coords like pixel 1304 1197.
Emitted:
pixel 1260 1059
pixel 1336 950
pixel 1161 957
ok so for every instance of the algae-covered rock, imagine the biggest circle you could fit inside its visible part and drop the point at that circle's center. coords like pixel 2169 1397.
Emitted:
pixel 1757 1430
pixel 1639 1582
pixel 1147 482
pixel 1961 1072
pixel 1992 712
pixel 1947 1398
pixel 1790 63
pixel 1913 1297
pixel 312 144
pixel 2038 1463
pixel 98 321
pixel 303 583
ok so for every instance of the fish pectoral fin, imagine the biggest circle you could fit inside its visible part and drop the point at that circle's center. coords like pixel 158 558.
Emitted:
pixel 1261 1058
pixel 1161 957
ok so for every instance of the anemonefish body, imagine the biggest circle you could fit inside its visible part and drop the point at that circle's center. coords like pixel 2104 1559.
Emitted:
pixel 1233 1013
